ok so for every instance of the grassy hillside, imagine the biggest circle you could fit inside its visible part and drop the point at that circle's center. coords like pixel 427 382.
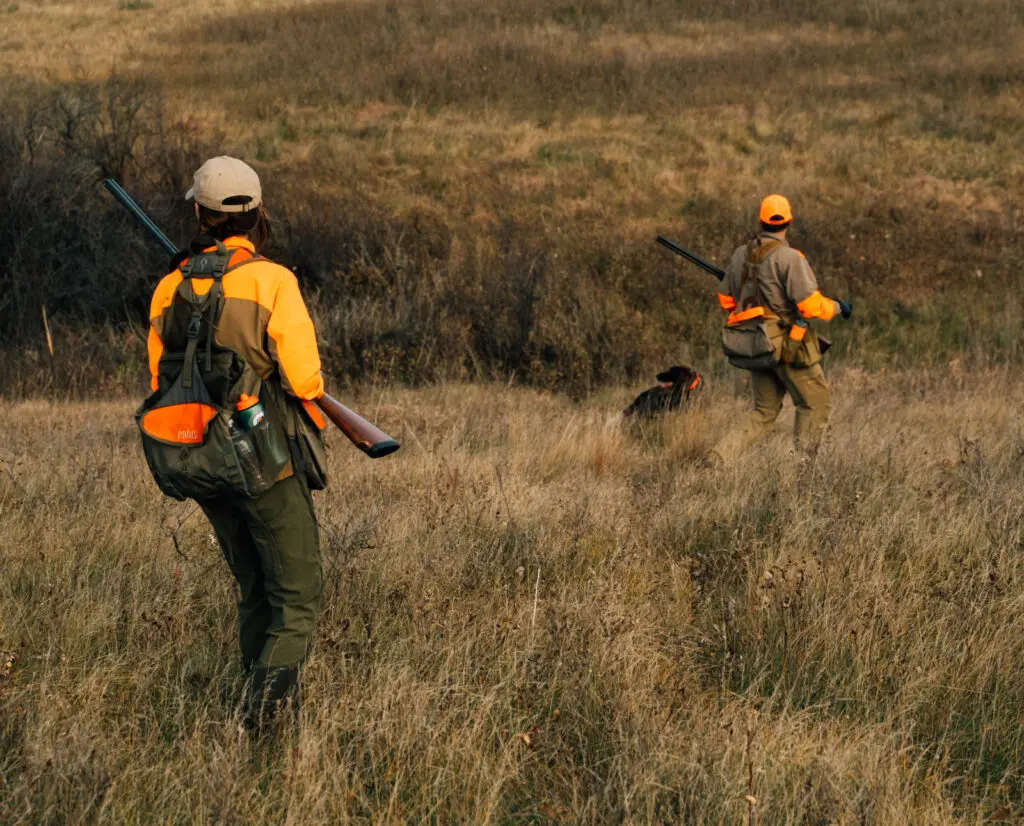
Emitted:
pixel 535 616
pixel 471 188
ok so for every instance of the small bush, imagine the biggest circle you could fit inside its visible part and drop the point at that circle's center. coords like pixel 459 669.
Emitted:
pixel 65 246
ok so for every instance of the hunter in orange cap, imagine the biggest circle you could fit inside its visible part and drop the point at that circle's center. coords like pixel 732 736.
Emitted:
pixel 776 211
pixel 770 293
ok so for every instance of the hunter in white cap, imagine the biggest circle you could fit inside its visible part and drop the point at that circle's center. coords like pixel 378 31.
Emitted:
pixel 226 184
pixel 260 348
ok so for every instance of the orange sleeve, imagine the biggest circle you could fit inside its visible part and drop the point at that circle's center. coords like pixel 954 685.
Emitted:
pixel 727 301
pixel 163 295
pixel 156 349
pixel 817 306
pixel 293 342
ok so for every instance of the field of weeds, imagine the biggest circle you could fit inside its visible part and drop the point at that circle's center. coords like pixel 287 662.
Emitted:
pixel 470 189
pixel 533 614
pixel 536 615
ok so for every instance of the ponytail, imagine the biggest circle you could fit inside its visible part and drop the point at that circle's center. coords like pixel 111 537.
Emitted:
pixel 254 224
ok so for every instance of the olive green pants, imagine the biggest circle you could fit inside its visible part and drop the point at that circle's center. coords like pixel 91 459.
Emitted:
pixel 810 392
pixel 272 546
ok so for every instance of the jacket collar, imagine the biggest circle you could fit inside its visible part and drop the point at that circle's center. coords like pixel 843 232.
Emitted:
pixel 773 236
pixel 238 242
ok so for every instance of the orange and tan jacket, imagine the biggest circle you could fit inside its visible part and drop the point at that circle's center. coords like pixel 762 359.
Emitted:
pixel 264 321
pixel 787 285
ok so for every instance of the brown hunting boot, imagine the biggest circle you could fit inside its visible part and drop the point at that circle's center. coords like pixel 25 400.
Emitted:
pixel 269 691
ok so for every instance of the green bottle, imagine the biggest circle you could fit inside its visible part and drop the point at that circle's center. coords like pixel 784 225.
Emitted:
pixel 250 411
pixel 271 448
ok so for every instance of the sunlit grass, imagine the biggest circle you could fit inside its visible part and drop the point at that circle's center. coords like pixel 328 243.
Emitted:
pixel 535 613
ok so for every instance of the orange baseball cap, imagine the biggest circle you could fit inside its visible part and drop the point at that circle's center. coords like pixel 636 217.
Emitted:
pixel 776 211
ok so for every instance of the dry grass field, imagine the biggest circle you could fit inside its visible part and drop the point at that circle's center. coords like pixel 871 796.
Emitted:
pixel 471 188
pixel 537 616
pixel 534 614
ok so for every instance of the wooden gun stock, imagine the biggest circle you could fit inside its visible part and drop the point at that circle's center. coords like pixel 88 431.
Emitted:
pixel 373 441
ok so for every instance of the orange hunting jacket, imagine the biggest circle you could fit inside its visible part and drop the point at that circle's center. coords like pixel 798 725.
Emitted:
pixel 787 284
pixel 264 321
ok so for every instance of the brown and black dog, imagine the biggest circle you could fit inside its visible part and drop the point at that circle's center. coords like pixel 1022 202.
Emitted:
pixel 677 385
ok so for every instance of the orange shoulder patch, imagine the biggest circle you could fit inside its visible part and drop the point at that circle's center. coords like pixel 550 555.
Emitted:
pixel 163 295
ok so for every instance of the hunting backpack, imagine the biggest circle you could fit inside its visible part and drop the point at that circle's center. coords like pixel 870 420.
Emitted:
pixel 191 440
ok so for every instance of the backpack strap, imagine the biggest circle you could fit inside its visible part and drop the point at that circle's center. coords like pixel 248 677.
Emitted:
pixel 758 252
pixel 189 365
pixel 202 264
pixel 252 259
pixel 218 303
pixel 214 264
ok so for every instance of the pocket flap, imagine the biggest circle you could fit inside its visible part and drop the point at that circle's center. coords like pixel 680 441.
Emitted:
pixel 179 424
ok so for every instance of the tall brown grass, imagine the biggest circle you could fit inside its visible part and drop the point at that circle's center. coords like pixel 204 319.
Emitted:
pixel 533 614
pixel 536 615
pixel 472 188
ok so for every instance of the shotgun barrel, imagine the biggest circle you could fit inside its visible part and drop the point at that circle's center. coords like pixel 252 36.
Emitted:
pixel 373 441
pixel 140 216
pixel 717 272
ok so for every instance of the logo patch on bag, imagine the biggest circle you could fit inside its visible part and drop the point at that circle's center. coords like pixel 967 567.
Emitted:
pixel 182 424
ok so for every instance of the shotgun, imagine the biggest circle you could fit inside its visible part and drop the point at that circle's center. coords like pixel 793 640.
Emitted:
pixel 717 272
pixel 374 442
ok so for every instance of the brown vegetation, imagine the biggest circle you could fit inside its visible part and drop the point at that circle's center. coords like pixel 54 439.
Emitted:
pixel 471 188
pixel 535 616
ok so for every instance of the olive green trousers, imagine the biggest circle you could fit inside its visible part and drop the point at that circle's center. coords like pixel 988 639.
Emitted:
pixel 811 395
pixel 272 546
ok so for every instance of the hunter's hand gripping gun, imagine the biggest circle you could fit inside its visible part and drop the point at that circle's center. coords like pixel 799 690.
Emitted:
pixel 374 442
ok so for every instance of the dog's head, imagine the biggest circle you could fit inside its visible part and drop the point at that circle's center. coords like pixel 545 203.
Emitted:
pixel 686 376
pixel 677 383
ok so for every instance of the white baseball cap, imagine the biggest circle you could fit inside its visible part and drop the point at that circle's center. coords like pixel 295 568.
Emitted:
pixel 226 185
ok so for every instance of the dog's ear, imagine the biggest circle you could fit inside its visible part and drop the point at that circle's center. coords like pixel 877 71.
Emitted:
pixel 678 374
